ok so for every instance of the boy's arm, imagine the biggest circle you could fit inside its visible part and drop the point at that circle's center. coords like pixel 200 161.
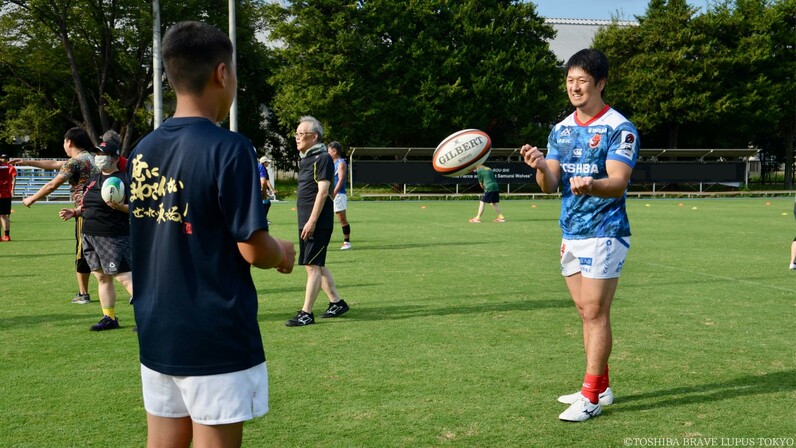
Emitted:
pixel 340 178
pixel 43 164
pixel 45 190
pixel 263 251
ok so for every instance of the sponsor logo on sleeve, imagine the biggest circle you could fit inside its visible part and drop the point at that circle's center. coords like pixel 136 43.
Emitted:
pixel 627 147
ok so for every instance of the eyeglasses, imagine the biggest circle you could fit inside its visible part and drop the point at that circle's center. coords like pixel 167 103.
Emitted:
pixel 302 134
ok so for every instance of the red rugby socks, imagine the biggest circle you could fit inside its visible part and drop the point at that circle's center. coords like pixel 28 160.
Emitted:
pixel 591 387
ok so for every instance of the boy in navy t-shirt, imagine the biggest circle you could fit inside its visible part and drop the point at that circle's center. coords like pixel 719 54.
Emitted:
pixel 197 226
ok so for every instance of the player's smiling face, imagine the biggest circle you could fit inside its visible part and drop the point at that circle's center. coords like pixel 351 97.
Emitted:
pixel 583 90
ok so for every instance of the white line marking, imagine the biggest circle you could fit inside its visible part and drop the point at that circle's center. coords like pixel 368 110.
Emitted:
pixel 720 277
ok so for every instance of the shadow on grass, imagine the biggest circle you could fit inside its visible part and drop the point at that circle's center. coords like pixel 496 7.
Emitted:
pixel 382 313
pixel 265 291
pixel 767 383
pixel 49 254
pixel 413 311
pixel 423 245
pixel 37 319
pixel 510 220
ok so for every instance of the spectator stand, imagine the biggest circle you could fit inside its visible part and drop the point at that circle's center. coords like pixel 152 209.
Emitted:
pixel 30 180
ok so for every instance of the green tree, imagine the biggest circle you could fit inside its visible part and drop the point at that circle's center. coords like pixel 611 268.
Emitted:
pixel 88 63
pixel 753 63
pixel 379 72
pixel 102 47
pixel 722 79
pixel 658 68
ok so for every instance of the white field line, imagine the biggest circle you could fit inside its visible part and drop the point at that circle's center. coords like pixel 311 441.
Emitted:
pixel 719 277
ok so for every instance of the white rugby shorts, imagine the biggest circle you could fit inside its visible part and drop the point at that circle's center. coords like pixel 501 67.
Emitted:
pixel 594 257
pixel 208 399
pixel 340 202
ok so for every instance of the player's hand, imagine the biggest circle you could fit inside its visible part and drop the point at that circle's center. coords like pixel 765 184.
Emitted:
pixel 580 185
pixel 289 260
pixel 114 205
pixel 16 162
pixel 28 201
pixel 66 213
pixel 308 230
pixel 533 157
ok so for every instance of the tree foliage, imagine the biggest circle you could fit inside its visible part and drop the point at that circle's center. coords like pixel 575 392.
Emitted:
pixel 88 63
pixel 720 79
pixel 74 63
pixel 385 73
pixel 658 68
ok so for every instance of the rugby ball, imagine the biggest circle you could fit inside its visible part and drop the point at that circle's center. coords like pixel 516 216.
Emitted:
pixel 461 151
pixel 113 190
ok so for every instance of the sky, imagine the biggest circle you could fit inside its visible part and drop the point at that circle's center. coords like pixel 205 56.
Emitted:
pixel 600 9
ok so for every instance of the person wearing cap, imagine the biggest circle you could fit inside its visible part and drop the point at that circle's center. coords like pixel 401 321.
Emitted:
pixel 106 234
pixel 77 171
pixel 112 136
pixel 8 176
pixel 265 184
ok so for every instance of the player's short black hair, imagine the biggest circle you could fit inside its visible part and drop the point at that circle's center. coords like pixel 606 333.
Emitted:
pixel 191 52
pixel 337 148
pixel 79 137
pixel 592 61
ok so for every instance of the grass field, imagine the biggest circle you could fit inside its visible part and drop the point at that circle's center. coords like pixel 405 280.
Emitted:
pixel 459 334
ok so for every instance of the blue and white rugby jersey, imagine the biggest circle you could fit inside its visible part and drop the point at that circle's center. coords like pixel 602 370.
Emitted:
pixel 582 150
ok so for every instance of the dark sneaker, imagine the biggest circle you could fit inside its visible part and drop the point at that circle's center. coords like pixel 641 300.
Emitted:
pixel 106 323
pixel 336 309
pixel 301 319
pixel 81 299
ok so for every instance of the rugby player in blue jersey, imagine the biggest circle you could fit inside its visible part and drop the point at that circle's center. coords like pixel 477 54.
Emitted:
pixel 590 157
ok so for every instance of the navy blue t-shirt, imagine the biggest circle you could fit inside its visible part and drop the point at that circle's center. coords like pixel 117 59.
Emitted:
pixel 194 193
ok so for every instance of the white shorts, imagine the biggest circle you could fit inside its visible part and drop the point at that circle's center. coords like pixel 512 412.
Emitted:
pixel 340 202
pixel 594 257
pixel 208 399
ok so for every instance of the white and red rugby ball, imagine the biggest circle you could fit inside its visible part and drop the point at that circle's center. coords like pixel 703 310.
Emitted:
pixel 461 151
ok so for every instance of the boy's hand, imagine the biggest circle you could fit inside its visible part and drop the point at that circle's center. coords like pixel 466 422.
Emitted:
pixel 289 260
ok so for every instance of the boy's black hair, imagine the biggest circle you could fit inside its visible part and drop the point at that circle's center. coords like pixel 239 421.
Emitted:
pixel 191 52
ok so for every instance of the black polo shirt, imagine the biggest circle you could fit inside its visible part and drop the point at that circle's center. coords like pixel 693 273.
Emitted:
pixel 315 166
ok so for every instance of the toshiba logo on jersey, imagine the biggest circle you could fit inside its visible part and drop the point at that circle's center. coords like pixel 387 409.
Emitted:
pixel 580 168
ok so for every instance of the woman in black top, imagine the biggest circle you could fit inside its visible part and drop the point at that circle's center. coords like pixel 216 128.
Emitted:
pixel 106 234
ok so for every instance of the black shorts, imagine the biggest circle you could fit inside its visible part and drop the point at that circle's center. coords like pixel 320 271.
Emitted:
pixel 491 197
pixel 81 266
pixel 109 254
pixel 313 250
pixel 5 206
